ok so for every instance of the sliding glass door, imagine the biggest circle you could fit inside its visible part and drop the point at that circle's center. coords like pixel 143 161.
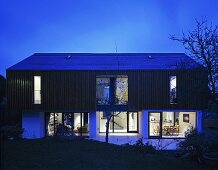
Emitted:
pixel 77 123
pixel 154 124
pixel 121 122
pixel 171 124
pixel 132 121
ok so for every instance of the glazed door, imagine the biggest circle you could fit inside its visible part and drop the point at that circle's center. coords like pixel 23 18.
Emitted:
pixel 154 124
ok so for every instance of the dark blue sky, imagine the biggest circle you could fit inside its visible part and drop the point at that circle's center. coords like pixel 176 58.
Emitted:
pixel 29 26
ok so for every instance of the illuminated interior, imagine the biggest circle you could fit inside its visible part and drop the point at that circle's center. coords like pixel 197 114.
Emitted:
pixel 77 123
pixel 121 91
pixel 121 122
pixel 173 124
pixel 37 89
pixel 112 90
pixel 173 90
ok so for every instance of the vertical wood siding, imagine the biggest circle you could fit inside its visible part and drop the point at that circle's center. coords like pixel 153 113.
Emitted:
pixel 76 90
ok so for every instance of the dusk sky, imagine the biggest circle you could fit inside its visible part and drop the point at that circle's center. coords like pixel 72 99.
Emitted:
pixel 30 26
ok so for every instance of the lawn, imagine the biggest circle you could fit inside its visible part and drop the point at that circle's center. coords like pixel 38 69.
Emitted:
pixel 52 153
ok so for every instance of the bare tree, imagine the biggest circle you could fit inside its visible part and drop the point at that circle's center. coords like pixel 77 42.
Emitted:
pixel 202 45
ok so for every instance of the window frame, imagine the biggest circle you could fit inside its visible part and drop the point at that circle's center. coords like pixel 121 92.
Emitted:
pixel 127 122
pixel 34 100
pixel 112 91
pixel 161 123
pixel 176 93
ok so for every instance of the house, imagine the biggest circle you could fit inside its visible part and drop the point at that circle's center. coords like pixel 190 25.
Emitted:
pixel 154 95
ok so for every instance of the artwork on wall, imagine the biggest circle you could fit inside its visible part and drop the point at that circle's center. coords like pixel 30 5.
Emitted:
pixel 186 118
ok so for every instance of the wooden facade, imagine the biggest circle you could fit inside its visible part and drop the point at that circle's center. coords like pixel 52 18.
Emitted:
pixel 70 91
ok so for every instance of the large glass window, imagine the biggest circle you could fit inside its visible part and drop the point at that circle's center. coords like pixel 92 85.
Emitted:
pixel 103 120
pixel 102 90
pixel 133 121
pixel 173 95
pixel 171 124
pixel 53 120
pixel 77 123
pixel 121 91
pixel 112 90
pixel 154 124
pixel 37 89
pixel 119 122
pixel 175 124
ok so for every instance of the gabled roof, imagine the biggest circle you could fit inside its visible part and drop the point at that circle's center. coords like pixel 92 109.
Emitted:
pixel 105 61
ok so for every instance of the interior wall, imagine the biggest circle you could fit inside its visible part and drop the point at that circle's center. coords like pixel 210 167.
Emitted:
pixel 183 126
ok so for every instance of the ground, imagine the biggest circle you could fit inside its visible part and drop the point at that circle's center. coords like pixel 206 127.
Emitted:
pixel 52 153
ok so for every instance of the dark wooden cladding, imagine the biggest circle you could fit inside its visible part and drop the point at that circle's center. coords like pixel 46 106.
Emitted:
pixel 76 90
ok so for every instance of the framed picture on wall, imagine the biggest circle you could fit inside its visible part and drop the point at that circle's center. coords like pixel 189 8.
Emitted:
pixel 186 118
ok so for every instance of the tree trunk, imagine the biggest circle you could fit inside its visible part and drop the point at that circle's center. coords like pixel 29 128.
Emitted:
pixel 107 128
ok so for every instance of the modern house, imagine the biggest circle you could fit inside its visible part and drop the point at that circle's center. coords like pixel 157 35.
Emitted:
pixel 154 95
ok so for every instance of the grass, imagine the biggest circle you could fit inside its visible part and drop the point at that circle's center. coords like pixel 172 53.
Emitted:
pixel 51 153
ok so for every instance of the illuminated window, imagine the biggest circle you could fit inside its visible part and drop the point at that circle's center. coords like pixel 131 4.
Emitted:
pixel 112 90
pixel 37 89
pixel 173 95
pixel 102 90
pixel 122 121
pixel 121 91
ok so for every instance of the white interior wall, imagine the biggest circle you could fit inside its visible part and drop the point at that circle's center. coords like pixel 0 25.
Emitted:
pixel 183 126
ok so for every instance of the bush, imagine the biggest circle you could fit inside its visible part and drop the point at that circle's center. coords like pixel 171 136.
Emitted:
pixel 194 145
pixel 11 132
pixel 145 148
pixel 64 132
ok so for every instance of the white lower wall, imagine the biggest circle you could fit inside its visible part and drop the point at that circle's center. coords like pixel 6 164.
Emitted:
pixel 143 124
pixel 33 124
pixel 92 124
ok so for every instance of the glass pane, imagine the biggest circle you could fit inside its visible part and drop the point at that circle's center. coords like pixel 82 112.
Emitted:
pixel 186 121
pixel 173 96
pixel 37 89
pixel 178 123
pixel 121 91
pixel 102 90
pixel 68 121
pixel 37 97
pixel 37 82
pixel 85 124
pixel 154 124
pixel 120 121
pixel 133 120
pixel 50 124
pixel 77 123
pixel 102 122
pixel 58 121
pixel 169 128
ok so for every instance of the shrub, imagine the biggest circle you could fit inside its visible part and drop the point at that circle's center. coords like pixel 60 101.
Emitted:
pixel 64 132
pixel 194 145
pixel 145 148
pixel 12 132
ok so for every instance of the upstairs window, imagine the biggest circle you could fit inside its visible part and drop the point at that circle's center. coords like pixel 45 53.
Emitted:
pixel 37 89
pixel 121 91
pixel 102 90
pixel 173 90
pixel 112 90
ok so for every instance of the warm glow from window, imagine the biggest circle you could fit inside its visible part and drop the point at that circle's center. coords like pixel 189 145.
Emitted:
pixel 37 89
pixel 121 90
pixel 173 95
